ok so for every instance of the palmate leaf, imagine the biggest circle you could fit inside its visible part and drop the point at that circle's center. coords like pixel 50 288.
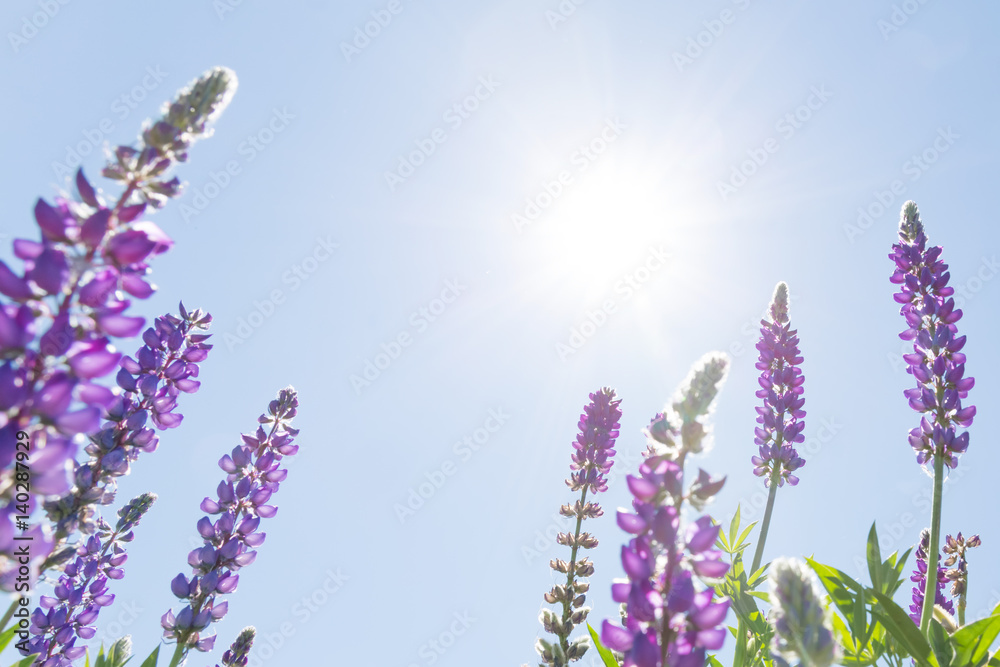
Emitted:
pixel 902 628
pixel 972 642
pixel 606 657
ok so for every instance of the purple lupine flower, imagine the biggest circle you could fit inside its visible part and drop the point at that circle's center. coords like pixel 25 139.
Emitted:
pixel 671 619
pixel 593 456
pixel 60 311
pixel 958 568
pixel 781 418
pixel 164 368
pixel 956 548
pixel 919 577
pixel 937 363
pixel 668 621
pixel 253 475
pixel 82 591
pixel 689 409
pixel 803 630
pixel 238 655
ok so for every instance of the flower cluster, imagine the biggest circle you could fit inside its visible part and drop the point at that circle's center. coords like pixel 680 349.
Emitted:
pixel 592 460
pixel 919 577
pixel 61 309
pixel 82 591
pixel 958 574
pixel 668 619
pixel 681 428
pixel 163 368
pixel 936 363
pixel 803 632
pixel 780 419
pixel 253 475
pixel 238 655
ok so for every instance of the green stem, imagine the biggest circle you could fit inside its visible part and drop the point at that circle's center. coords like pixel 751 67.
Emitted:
pixel 961 600
pixel 571 575
pixel 766 523
pixel 930 590
pixel 179 654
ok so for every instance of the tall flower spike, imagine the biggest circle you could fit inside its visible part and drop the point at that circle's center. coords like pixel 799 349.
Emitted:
pixel 936 363
pixel 919 577
pixel 253 475
pixel 166 367
pixel 681 428
pixel 82 591
pixel 781 418
pixel 670 619
pixel 66 302
pixel 593 454
pixel 239 653
pixel 803 631
pixel 958 572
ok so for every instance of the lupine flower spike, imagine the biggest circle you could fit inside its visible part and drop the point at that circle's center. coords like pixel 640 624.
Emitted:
pixel 919 577
pixel 592 460
pixel 958 574
pixel 82 591
pixel 936 363
pixel 239 653
pixel 781 418
pixel 803 631
pixel 669 619
pixel 253 475
pixel 164 368
pixel 62 307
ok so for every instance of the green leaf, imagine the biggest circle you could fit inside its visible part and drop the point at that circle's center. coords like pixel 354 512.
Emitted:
pixel 606 657
pixel 734 526
pixel 842 589
pixel 940 644
pixel 903 629
pixel 972 642
pixel 714 662
pixel 859 624
pixel 151 660
pixel 741 540
pixel 7 637
pixel 874 560
pixel 26 662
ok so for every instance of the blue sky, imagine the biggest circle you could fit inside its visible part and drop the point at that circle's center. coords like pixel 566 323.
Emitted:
pixel 476 182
